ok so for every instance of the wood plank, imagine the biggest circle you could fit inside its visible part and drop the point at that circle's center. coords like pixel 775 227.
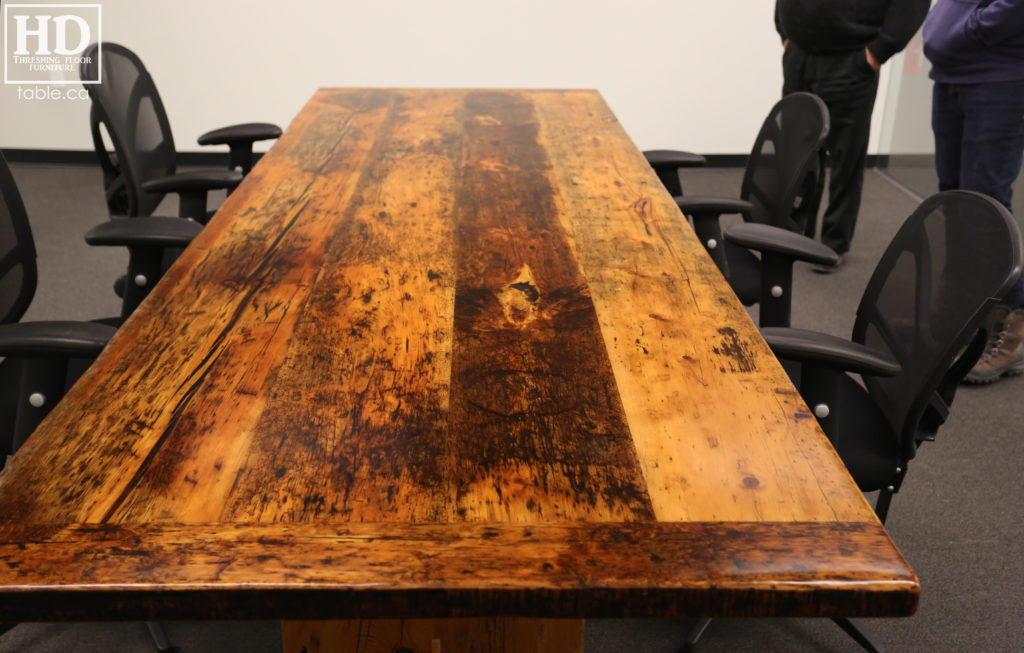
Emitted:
pixel 357 417
pixel 719 430
pixel 379 570
pixel 132 438
pixel 538 432
pixel 435 636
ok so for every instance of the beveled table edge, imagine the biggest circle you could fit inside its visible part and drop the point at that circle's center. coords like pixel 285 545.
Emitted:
pixel 378 570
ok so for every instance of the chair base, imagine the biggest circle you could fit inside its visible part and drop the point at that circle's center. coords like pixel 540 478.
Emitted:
pixel 696 633
pixel 159 635
pixel 855 628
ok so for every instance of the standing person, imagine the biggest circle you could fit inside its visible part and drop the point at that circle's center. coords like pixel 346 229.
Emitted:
pixel 976 48
pixel 834 49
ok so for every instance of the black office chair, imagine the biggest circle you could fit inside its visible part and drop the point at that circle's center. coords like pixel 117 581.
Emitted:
pixel 782 187
pixel 920 328
pixel 668 164
pixel 142 169
pixel 44 359
pixel 41 351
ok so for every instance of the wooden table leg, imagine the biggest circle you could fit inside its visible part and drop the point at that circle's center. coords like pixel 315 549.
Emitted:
pixel 490 635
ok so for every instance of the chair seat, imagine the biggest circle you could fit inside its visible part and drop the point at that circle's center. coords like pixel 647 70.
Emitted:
pixel 866 443
pixel 194 180
pixel 10 377
pixel 869 448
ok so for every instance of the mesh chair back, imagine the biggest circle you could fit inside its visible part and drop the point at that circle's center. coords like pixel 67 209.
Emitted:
pixel 128 105
pixel 941 276
pixel 782 170
pixel 17 251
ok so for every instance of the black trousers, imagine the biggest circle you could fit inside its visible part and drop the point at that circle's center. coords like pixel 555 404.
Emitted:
pixel 848 85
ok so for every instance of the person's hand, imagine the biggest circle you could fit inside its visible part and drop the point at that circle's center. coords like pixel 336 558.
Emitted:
pixel 875 64
pixel 785 43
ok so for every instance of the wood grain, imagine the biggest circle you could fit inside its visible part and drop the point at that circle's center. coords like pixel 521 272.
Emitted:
pixel 531 380
pixel 720 432
pixel 444 353
pixel 435 636
pixel 379 570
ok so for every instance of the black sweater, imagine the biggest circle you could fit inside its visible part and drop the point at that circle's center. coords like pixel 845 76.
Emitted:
pixel 883 26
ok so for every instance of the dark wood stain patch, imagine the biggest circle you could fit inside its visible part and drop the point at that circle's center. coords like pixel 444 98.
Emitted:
pixel 334 133
pixel 735 351
pixel 537 427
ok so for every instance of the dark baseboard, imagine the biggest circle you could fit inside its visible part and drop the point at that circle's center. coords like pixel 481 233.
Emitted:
pixel 88 157
pixel 907 160
pixel 59 157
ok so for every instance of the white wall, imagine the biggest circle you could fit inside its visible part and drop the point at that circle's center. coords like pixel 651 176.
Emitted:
pixel 679 73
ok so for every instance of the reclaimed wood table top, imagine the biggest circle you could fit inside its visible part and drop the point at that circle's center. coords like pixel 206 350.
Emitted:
pixel 444 353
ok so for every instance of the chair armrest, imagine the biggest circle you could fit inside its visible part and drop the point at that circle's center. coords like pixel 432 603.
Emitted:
pixel 239 139
pixel 151 243
pixel 693 204
pixel 196 180
pixel 244 133
pixel 54 339
pixel 819 348
pixel 150 231
pixel 766 238
pixel 673 159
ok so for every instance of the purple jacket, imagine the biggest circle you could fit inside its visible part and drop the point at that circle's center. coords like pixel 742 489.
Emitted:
pixel 975 41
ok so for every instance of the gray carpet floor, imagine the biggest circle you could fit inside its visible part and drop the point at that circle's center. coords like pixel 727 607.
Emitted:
pixel 959 519
pixel 917 174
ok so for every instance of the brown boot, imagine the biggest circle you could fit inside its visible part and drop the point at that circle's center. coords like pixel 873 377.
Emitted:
pixel 1004 355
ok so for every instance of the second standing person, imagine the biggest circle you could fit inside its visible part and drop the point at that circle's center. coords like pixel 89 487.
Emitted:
pixel 977 52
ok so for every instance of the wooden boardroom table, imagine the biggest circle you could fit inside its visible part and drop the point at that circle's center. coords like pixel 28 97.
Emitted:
pixel 450 369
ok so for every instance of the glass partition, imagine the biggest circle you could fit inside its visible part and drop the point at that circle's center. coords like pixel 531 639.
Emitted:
pixel 907 145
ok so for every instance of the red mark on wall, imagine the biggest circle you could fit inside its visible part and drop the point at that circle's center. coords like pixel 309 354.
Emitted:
pixel 914 56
